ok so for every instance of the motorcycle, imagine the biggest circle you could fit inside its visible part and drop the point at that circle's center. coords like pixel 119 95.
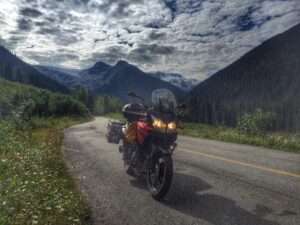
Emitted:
pixel 148 140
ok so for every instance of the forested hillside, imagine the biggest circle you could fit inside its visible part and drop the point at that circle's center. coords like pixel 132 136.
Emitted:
pixel 36 102
pixel 14 69
pixel 268 77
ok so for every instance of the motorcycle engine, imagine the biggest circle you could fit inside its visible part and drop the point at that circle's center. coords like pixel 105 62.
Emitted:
pixel 135 156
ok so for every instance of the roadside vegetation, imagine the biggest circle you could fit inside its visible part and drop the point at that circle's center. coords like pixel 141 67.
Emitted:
pixel 116 116
pixel 35 187
pixel 277 140
pixel 105 104
pixel 252 129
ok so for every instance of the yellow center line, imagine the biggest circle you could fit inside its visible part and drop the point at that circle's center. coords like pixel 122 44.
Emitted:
pixel 241 163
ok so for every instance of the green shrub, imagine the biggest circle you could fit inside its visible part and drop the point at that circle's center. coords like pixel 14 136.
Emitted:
pixel 255 123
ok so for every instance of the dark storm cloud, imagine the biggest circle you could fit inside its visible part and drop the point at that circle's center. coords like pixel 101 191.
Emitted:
pixel 52 57
pixel 81 1
pixel 149 53
pixel 66 39
pixel 24 24
pixel 183 6
pixel 171 4
pixel 154 49
pixel 244 22
pixel 59 34
pixel 132 31
pixel 110 55
pixel 98 40
pixel 140 54
pixel 142 58
pixel 154 35
pixel 117 8
pixel 48 29
pixel 30 12
pixel 125 43
pixel 153 25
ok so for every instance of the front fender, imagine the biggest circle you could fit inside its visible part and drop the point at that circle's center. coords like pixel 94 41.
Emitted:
pixel 165 151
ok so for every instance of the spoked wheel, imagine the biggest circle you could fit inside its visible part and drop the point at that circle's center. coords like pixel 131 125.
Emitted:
pixel 159 176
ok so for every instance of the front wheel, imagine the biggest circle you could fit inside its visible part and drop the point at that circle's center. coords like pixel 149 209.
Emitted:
pixel 159 175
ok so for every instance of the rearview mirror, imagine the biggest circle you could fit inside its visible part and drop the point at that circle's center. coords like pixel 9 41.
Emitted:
pixel 181 110
pixel 134 95
pixel 182 106
pixel 131 94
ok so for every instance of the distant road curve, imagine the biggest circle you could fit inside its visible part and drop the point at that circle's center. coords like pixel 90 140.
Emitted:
pixel 214 182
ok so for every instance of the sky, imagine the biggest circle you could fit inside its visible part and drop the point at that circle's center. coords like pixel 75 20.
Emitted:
pixel 195 38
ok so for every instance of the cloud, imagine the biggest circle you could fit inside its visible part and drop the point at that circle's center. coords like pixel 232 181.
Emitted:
pixel 30 12
pixel 24 24
pixel 155 35
pixel 154 49
pixel 192 37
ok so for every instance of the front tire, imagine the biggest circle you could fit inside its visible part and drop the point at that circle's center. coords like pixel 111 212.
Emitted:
pixel 159 179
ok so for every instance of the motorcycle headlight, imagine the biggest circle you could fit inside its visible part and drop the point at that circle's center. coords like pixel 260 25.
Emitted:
pixel 172 126
pixel 159 124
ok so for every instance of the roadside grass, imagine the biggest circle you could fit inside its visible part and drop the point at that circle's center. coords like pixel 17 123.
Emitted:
pixel 279 140
pixel 35 186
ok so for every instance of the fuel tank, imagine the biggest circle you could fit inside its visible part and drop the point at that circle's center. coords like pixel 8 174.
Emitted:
pixel 142 131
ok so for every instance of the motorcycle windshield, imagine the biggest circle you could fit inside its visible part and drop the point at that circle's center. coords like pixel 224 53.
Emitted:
pixel 164 99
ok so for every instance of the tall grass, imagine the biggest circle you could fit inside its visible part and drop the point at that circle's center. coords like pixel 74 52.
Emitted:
pixel 278 140
pixel 35 186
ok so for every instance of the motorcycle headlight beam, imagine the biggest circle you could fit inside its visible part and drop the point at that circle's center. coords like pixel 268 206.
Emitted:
pixel 159 124
pixel 172 126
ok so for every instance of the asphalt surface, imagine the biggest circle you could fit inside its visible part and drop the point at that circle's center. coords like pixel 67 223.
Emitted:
pixel 214 182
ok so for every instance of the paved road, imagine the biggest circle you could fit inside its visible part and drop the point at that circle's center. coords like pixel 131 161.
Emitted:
pixel 214 182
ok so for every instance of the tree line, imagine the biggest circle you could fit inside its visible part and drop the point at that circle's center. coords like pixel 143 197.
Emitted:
pixel 32 101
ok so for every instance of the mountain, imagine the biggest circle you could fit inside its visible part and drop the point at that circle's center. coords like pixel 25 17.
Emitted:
pixel 176 80
pixel 125 77
pixel 114 80
pixel 68 78
pixel 268 77
pixel 14 69
pixel 91 78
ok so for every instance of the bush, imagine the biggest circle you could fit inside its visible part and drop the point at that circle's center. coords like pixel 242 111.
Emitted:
pixel 255 123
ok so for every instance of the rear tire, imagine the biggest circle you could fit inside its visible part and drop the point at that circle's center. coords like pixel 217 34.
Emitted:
pixel 167 170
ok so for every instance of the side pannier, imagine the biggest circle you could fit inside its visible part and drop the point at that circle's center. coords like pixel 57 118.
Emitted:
pixel 114 131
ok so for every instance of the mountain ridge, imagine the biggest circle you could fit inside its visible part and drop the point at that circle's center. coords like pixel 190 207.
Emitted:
pixel 98 79
pixel 267 77
pixel 175 79
pixel 14 69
